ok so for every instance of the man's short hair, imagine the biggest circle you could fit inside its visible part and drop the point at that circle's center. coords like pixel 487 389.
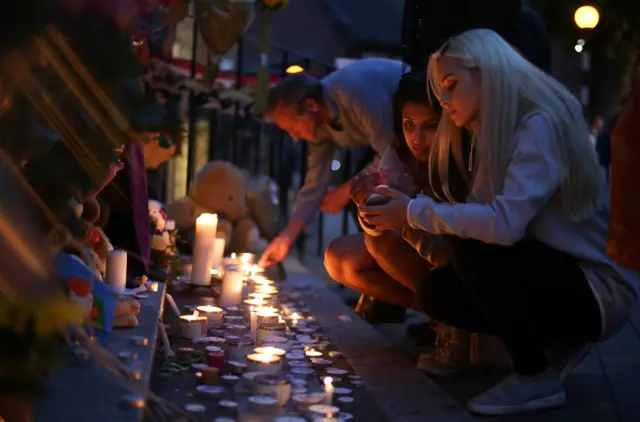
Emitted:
pixel 291 91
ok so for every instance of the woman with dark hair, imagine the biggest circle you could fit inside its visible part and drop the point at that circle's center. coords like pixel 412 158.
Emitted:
pixel 385 265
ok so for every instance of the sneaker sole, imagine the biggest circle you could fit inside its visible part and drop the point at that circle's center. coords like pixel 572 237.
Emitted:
pixel 556 400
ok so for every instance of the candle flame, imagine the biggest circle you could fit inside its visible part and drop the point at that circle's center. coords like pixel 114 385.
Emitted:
pixel 328 381
pixel 196 314
pixel 233 256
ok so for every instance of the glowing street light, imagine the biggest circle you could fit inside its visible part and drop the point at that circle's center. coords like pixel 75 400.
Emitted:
pixel 586 17
pixel 295 69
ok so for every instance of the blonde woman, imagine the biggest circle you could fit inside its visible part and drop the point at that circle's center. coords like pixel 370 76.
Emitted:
pixel 528 259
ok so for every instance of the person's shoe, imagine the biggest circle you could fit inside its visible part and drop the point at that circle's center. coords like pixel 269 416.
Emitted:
pixel 451 353
pixel 376 311
pixel 515 395
pixel 564 357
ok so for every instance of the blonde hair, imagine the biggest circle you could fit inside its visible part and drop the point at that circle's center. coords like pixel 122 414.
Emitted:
pixel 511 88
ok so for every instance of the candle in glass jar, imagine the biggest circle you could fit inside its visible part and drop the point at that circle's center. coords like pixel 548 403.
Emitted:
pixel 270 290
pixel 206 226
pixel 116 275
pixel 215 357
pixel 231 291
pixel 193 326
pixel 213 314
pixel 258 362
pixel 266 316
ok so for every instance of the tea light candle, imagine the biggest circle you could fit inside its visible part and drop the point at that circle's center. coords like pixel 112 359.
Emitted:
pixel 294 356
pixel 193 326
pixel 275 341
pixel 328 392
pixel 212 313
pixel 207 301
pixel 231 291
pixel 269 290
pixel 209 392
pixel 302 401
pixel 269 364
pixel 345 403
pixel 233 319
pixel 140 341
pixel 323 411
pixel 275 351
pixel 238 348
pixel 312 353
pixel 321 363
pixel 272 386
pixel 237 368
pixel 229 379
pixel 206 227
pixel 218 251
pixel 303 373
pixel 262 404
pixel 249 304
pixel 299 364
pixel 263 297
pixel 247 258
pixel 266 317
pixel 337 371
pixel 270 330
pixel 153 286
pixel 116 274
pixel 237 329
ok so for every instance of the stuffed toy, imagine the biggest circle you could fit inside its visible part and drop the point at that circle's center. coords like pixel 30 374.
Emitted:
pixel 97 241
pixel 93 253
pixel 222 188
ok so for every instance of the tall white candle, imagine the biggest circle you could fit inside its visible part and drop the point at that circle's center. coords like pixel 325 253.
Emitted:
pixel 254 323
pixel 218 251
pixel 328 391
pixel 206 226
pixel 231 291
pixel 116 275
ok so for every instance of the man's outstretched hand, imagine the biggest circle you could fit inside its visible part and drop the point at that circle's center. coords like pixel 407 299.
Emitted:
pixel 276 252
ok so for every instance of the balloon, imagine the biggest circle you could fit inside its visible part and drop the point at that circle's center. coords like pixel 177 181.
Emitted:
pixel 222 23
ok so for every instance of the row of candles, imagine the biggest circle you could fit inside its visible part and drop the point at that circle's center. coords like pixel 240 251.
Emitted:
pixel 260 340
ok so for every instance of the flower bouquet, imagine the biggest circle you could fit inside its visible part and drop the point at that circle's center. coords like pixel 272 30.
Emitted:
pixel 164 235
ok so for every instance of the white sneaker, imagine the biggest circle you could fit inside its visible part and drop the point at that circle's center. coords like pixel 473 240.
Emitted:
pixel 451 353
pixel 515 395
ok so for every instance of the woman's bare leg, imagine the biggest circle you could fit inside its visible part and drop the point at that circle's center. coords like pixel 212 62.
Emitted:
pixel 348 262
pixel 398 259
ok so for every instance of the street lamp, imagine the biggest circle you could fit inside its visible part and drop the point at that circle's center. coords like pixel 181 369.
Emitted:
pixel 295 69
pixel 586 18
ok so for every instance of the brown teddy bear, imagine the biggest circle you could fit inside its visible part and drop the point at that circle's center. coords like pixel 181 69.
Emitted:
pixel 221 188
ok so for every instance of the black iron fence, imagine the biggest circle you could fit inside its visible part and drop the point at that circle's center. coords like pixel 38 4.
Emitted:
pixel 262 148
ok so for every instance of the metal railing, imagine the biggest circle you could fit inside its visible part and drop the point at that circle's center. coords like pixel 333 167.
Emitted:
pixel 262 148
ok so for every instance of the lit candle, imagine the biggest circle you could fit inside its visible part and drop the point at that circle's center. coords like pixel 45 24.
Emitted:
pixel 266 316
pixel 206 226
pixel 323 411
pixel 218 251
pixel 152 286
pixel 247 258
pixel 231 291
pixel 311 354
pixel 258 362
pixel 328 391
pixel 213 314
pixel 254 323
pixel 116 275
pixel 193 326
pixel 275 351
pixel 249 304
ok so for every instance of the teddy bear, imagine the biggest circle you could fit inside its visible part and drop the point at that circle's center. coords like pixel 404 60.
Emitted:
pixel 221 188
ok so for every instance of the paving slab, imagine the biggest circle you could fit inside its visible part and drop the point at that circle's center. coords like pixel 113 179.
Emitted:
pixel 404 393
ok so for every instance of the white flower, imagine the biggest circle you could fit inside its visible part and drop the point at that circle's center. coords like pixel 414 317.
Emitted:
pixel 154 205
pixel 158 242
pixel 170 225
